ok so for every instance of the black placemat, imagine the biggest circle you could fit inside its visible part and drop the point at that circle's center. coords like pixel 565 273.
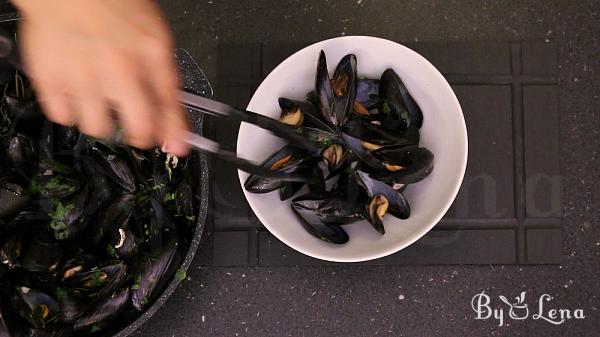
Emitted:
pixel 508 210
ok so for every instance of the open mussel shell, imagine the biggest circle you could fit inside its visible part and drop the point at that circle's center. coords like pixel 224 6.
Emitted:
pixel 13 197
pixel 367 93
pixel 288 159
pixel 22 154
pixel 25 114
pixel 67 219
pixel 368 131
pixel 363 150
pixel 98 282
pixel 114 167
pixel 403 165
pixel 56 181
pixel 382 199
pixel 344 83
pixel 298 113
pixel 36 307
pixel 325 98
pixel 323 213
pixel 394 93
pixel 314 225
pixel 111 218
pixel 105 312
pixel 154 272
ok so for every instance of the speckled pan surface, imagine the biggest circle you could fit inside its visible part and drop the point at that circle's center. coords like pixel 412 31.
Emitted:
pixel 193 80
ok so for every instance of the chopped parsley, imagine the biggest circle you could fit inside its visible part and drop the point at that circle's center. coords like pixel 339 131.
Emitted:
pixel 180 274
pixel 59 216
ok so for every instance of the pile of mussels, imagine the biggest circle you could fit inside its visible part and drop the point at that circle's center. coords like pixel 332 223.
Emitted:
pixel 90 231
pixel 368 136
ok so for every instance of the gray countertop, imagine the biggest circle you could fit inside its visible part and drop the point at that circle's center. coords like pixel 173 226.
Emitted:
pixel 350 300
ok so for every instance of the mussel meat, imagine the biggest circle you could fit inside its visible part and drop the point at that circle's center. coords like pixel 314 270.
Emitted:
pixel 404 165
pixel 287 159
pixel 36 307
pixel 383 199
pixel 106 311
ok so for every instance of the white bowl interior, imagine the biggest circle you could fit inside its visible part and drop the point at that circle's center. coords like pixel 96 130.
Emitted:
pixel 443 132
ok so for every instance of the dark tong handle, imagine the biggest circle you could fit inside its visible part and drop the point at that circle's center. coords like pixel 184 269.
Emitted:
pixel 219 109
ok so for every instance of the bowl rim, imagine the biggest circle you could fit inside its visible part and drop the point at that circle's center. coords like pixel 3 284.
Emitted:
pixel 462 161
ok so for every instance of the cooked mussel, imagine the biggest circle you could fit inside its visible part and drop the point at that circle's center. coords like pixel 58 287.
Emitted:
pixel 55 180
pixel 367 95
pixel 298 113
pixel 152 271
pixel 106 311
pixel 403 165
pixel 322 215
pixel 98 282
pixel 114 167
pixel 324 91
pixel 66 215
pixel 397 101
pixel 288 159
pixel 34 306
pixel 344 84
pixel 370 132
pixel 22 154
pixel 13 197
pixel 383 199
pixel 42 254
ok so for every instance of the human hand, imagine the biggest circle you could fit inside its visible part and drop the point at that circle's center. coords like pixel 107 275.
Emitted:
pixel 89 58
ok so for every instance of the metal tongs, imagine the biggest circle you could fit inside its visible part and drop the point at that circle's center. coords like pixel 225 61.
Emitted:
pixel 9 53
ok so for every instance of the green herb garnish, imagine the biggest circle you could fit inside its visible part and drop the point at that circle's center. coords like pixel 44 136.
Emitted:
pixel 180 274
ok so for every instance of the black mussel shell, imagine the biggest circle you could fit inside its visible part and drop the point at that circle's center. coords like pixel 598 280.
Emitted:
pixel 324 91
pixel 287 159
pixel 22 154
pixel 55 180
pixel 298 113
pixel 98 282
pixel 10 250
pixel 70 307
pixel 363 150
pixel 404 165
pixel 393 91
pixel 154 272
pixel 25 115
pixel 344 84
pixel 111 218
pixel 64 138
pixel 334 208
pixel 313 224
pixel 36 307
pixel 369 131
pixel 13 197
pixel 105 312
pixel 42 254
pixel 114 167
pixel 67 219
pixel 397 205
pixel 367 93
pixel 289 188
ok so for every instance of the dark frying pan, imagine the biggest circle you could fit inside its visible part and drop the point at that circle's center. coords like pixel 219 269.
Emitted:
pixel 194 81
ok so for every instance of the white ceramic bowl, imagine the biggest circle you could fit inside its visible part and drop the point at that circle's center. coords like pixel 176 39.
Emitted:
pixel 443 132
